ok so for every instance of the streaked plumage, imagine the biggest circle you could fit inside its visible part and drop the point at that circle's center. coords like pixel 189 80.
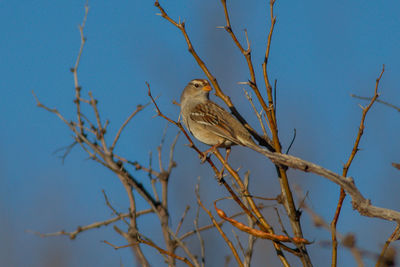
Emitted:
pixel 208 122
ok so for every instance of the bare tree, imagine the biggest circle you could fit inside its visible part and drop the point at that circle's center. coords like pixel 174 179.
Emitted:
pixel 90 134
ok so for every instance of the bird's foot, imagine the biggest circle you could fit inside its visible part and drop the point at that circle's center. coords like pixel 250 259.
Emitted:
pixel 220 174
pixel 204 156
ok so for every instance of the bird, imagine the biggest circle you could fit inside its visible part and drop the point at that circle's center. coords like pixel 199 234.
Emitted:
pixel 208 122
pixel 212 125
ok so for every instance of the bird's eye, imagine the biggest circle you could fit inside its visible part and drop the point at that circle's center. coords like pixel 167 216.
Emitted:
pixel 196 85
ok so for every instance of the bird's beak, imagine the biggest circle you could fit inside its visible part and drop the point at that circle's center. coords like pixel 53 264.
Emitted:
pixel 207 88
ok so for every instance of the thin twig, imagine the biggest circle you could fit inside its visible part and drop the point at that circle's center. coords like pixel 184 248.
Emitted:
pixel 393 237
pixel 151 244
pixel 172 163
pixel 67 151
pixel 250 238
pixel 239 244
pixel 227 241
pixel 196 226
pixel 396 165
pixel 138 109
pixel 377 100
pixel 349 242
pixel 80 229
pixel 111 207
pixel 159 149
pixel 74 70
pixel 138 166
pixel 347 166
pixel 184 247
pixel 152 180
pixel 181 220
pixel 100 128
pixel 258 114
pixel 283 229
pixel 291 143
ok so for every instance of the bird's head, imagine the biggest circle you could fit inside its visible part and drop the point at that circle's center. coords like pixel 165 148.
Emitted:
pixel 197 88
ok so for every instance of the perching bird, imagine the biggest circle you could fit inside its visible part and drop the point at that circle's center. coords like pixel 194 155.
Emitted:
pixel 208 122
pixel 216 127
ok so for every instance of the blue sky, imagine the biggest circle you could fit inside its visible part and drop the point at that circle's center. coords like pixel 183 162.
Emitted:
pixel 321 53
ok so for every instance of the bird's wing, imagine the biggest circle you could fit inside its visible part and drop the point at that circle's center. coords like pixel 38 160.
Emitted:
pixel 213 117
